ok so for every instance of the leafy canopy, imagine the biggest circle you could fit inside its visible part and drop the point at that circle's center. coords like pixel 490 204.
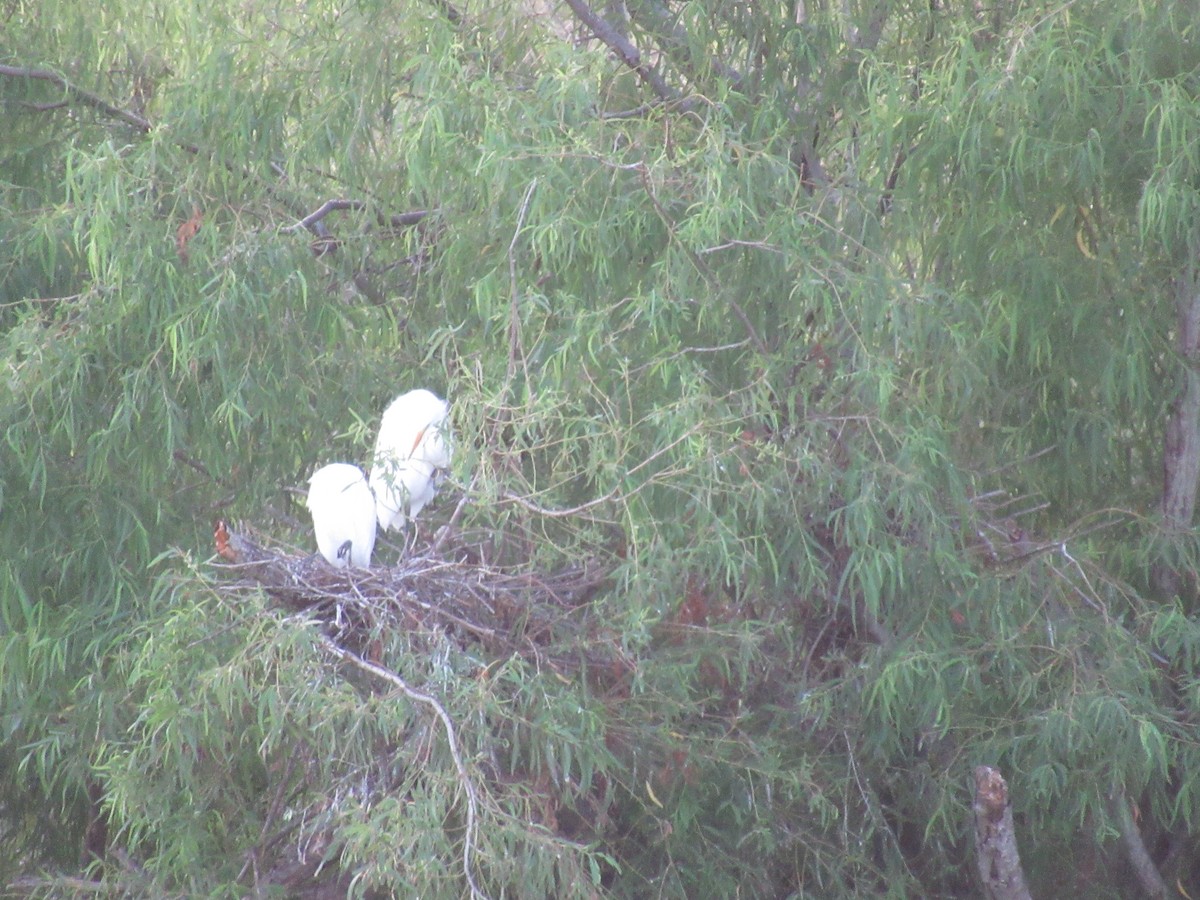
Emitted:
pixel 842 337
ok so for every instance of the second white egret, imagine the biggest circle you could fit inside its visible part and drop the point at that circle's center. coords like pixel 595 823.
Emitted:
pixel 411 452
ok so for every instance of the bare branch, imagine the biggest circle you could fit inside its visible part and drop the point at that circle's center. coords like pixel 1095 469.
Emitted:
pixel 623 47
pixel 86 97
pixel 464 778
pixel 556 513
pixel 445 530
pixel 401 220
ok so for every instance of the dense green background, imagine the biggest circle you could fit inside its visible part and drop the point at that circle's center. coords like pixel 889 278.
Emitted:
pixel 866 322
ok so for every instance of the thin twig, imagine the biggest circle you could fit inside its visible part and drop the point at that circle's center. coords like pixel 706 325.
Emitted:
pixel 515 350
pixel 557 513
pixel 636 113
pixel 456 515
pixel 734 242
pixel 575 510
pixel 759 344
pixel 451 740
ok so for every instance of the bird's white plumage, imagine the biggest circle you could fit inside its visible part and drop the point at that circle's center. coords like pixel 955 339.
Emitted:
pixel 411 451
pixel 343 511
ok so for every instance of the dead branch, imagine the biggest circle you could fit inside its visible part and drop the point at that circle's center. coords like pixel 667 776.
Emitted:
pixel 995 838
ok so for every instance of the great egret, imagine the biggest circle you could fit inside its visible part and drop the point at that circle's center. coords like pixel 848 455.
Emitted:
pixel 343 513
pixel 410 452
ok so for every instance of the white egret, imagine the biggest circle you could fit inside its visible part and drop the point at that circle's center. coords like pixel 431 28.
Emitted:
pixel 411 451
pixel 343 513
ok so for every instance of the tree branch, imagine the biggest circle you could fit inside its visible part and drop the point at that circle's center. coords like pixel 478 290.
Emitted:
pixel 1147 873
pixel 85 97
pixel 755 339
pixel 515 349
pixel 311 222
pixel 668 31
pixel 401 220
pixel 623 47
pixel 464 778
pixel 1182 461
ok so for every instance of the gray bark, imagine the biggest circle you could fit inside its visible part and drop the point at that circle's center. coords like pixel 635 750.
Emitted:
pixel 995 839
pixel 1181 453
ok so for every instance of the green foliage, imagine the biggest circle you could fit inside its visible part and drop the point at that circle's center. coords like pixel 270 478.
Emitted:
pixel 850 358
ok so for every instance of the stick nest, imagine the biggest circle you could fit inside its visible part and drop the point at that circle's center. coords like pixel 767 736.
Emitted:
pixel 504 612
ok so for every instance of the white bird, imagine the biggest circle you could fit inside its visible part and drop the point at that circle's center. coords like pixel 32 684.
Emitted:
pixel 343 514
pixel 411 451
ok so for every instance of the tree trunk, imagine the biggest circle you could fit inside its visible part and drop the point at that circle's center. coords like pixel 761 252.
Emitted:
pixel 995 840
pixel 1181 453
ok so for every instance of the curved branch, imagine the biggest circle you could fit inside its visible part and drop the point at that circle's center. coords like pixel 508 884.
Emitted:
pixel 451 740
pixel 311 222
